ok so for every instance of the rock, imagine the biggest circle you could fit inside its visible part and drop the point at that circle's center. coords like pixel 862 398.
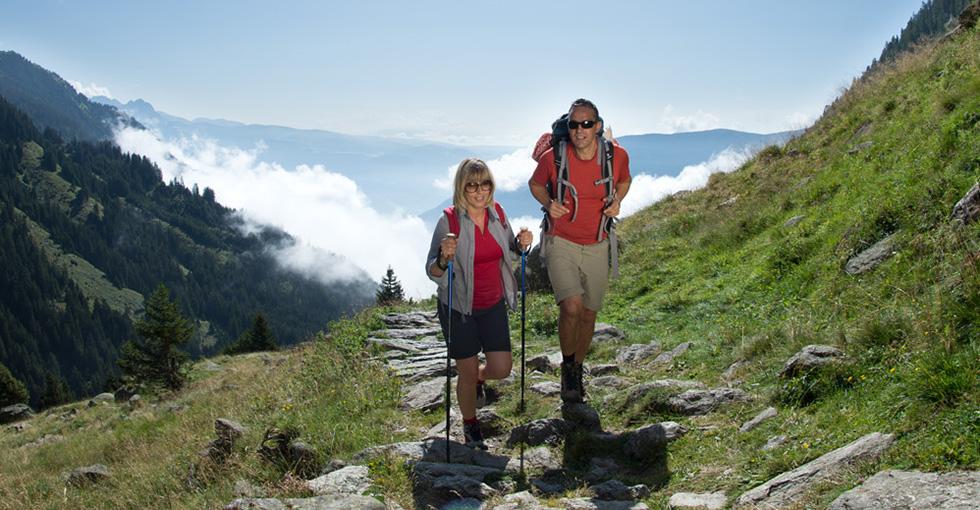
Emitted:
pixel 793 221
pixel 436 492
pixel 581 416
pixel 546 388
pixel 650 441
pixel 210 366
pixel 15 412
pixel 774 442
pixel 302 457
pixel 698 501
pixel 957 490
pixel 344 481
pixel 332 466
pixel 872 257
pixel 410 319
pixel 697 402
pixel 411 333
pixel 732 370
pixel 389 344
pixel 19 427
pixel 667 357
pixel 810 357
pixel 637 353
pixel 535 458
pixel 601 469
pixel 609 382
pixel 787 488
pixel 658 390
pixel 101 398
pixel 123 394
pixel 519 501
pixel 136 401
pixel 545 363
pixel 425 396
pixel 228 430
pixel 549 431
pixel 860 147
pixel 554 482
pixel 607 333
pixel 88 475
pixel 316 503
pixel 602 370
pixel 614 490
pixel 769 412
pixel 596 504
pixel 967 210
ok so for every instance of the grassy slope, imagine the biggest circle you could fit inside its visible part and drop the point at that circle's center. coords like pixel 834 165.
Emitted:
pixel 729 278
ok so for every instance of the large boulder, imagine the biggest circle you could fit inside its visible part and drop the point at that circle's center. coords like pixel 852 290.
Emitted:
pixel 315 503
pixel 637 353
pixel 345 481
pixel 786 489
pixel 607 333
pixel 88 475
pixel 957 490
pixel 15 412
pixel 810 357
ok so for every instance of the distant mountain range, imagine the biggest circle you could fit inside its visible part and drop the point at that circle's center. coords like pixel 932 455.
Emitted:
pixel 394 173
pixel 653 154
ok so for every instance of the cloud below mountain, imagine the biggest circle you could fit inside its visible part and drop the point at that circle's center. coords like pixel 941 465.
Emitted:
pixel 324 210
pixel 511 171
pixel 647 189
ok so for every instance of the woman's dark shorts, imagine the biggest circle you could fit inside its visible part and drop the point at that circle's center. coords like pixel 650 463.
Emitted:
pixel 485 330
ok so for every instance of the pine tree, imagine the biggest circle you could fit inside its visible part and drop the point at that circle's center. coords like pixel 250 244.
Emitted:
pixel 12 391
pixel 257 338
pixel 55 392
pixel 390 291
pixel 157 360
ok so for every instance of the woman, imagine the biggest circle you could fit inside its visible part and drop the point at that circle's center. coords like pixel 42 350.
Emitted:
pixel 483 253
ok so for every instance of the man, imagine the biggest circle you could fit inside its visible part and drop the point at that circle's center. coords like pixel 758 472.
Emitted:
pixel 576 245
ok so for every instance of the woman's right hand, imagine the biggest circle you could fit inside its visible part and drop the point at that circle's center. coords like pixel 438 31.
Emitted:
pixel 447 249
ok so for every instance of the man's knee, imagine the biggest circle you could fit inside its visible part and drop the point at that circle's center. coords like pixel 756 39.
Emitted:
pixel 587 315
pixel 572 307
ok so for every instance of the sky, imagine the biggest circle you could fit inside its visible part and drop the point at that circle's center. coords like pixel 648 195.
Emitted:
pixel 474 73
pixel 490 73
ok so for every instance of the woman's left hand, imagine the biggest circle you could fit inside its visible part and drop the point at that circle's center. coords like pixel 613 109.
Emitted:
pixel 525 238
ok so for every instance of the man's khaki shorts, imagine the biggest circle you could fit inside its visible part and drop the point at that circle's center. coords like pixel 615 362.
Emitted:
pixel 578 270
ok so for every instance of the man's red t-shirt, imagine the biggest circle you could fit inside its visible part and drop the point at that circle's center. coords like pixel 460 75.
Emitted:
pixel 488 287
pixel 591 198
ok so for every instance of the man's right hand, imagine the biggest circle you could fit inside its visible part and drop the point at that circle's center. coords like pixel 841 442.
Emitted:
pixel 557 209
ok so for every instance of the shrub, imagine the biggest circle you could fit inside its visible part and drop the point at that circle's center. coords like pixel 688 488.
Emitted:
pixel 816 384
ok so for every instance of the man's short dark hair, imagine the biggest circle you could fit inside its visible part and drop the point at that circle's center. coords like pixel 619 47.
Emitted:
pixel 586 103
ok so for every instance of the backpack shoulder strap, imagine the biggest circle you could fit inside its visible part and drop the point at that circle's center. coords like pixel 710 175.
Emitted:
pixel 450 213
pixel 500 213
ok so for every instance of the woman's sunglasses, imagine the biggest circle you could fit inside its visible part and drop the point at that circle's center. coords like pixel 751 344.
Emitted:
pixel 486 185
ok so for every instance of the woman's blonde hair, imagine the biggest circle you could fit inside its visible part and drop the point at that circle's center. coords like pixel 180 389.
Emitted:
pixel 471 170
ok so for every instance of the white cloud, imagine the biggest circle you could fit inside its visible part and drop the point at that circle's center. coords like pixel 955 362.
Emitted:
pixel 700 121
pixel 91 90
pixel 324 210
pixel 511 171
pixel 647 189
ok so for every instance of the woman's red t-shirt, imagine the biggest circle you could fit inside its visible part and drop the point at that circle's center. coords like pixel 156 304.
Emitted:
pixel 488 287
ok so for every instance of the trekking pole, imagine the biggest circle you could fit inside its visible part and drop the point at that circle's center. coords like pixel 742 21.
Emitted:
pixel 523 318
pixel 449 342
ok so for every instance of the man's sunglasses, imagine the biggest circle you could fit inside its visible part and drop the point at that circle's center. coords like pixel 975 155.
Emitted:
pixel 486 185
pixel 585 124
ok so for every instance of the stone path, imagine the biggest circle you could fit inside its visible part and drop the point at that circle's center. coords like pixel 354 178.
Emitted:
pixel 411 345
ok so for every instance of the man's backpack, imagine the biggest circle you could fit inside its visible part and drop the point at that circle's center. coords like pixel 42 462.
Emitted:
pixel 453 219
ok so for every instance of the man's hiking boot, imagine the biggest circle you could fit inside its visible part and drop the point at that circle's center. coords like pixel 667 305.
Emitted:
pixel 570 392
pixel 481 394
pixel 473 436
pixel 579 369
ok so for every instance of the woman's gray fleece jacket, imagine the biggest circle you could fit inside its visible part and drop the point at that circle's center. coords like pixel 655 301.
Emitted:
pixel 463 261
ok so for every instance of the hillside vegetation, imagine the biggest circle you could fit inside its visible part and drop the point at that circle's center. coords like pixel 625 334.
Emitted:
pixel 722 268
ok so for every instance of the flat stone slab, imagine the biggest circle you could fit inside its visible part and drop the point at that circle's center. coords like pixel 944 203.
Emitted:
pixel 809 358
pixel 349 480
pixel 425 396
pixel 607 333
pixel 697 402
pixel 957 490
pixel 697 501
pixel 872 257
pixel 787 488
pixel 637 353
pixel 767 413
pixel 316 503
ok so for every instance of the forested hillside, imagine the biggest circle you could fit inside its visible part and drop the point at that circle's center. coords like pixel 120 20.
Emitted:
pixel 88 231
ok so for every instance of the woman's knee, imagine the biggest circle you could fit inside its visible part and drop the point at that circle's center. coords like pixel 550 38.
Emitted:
pixel 498 365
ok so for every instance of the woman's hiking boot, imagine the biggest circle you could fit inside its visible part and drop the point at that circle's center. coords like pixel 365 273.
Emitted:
pixel 473 436
pixel 570 388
